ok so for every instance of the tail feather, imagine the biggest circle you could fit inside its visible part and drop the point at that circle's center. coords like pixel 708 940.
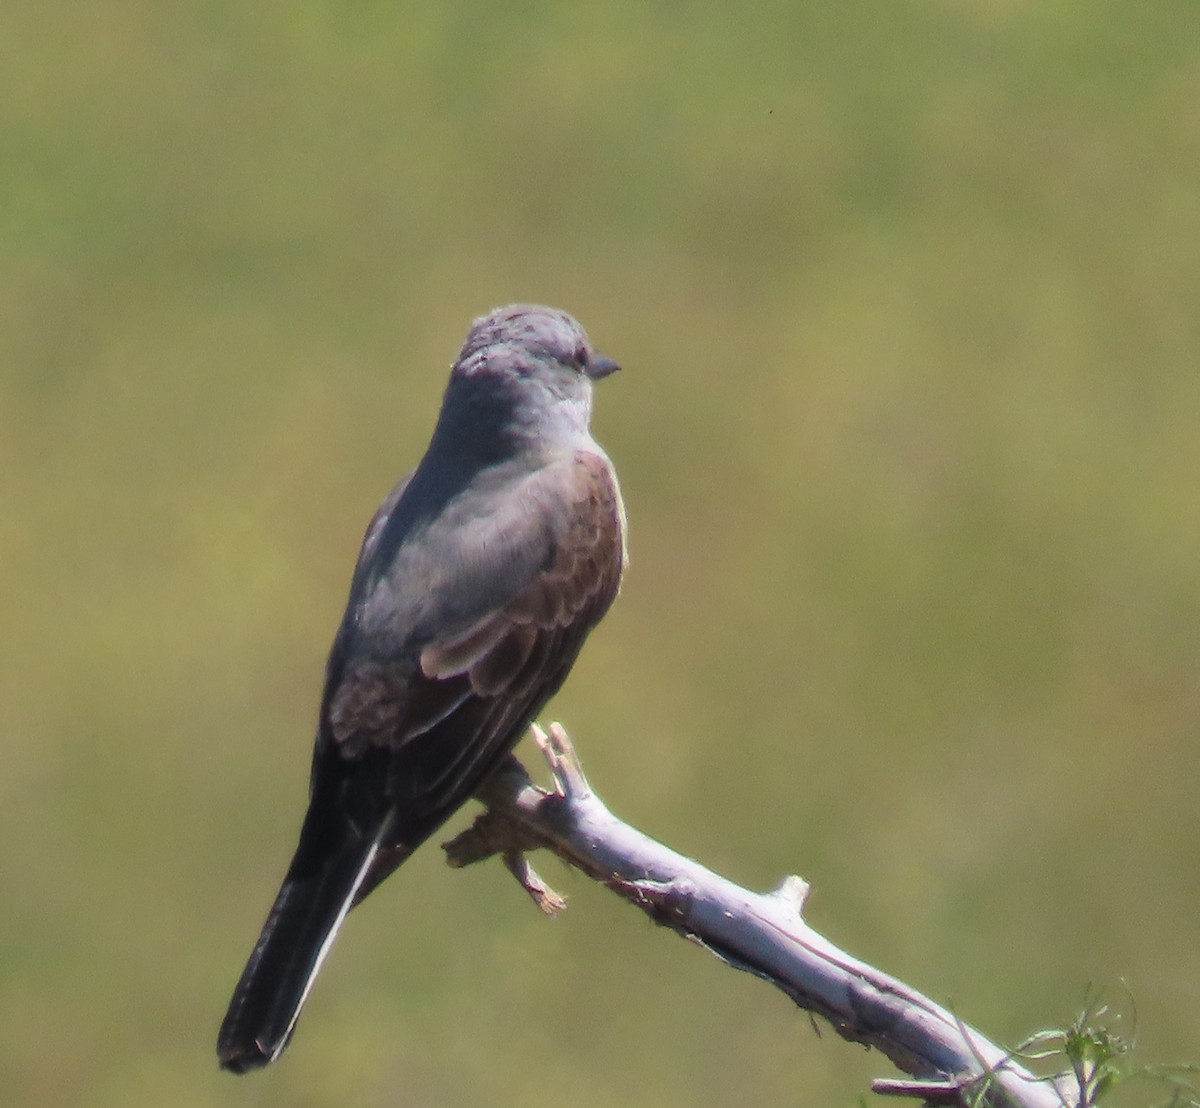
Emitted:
pixel 295 939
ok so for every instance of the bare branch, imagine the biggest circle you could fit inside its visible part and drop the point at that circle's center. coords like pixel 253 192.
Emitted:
pixel 930 1092
pixel 763 934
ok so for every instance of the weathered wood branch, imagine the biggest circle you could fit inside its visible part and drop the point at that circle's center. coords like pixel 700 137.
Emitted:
pixel 764 934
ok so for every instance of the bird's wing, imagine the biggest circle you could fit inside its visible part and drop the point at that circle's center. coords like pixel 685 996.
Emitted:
pixel 374 533
pixel 447 715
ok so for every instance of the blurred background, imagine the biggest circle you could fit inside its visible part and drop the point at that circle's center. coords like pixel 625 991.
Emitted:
pixel 906 294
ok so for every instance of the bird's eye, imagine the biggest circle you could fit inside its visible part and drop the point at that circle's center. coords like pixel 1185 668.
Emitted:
pixel 580 357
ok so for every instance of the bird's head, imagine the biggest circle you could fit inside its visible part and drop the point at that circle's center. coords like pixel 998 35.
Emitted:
pixel 528 340
pixel 535 365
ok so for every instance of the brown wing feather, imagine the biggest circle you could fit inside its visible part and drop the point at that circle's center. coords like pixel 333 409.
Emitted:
pixel 471 696
pixel 494 693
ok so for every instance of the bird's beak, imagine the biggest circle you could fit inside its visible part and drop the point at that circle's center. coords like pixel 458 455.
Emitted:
pixel 600 367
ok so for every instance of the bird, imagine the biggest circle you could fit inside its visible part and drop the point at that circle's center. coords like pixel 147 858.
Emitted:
pixel 478 580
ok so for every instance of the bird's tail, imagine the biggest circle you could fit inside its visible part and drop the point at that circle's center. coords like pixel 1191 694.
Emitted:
pixel 299 931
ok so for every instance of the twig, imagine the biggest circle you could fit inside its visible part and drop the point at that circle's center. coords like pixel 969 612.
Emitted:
pixel 764 934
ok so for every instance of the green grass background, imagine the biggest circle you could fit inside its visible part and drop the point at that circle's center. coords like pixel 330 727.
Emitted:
pixel 906 294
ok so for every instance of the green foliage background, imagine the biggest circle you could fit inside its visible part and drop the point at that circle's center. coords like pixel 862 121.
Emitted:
pixel 907 299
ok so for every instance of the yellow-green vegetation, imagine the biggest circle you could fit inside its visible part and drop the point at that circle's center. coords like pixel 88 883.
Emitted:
pixel 1095 1054
pixel 907 297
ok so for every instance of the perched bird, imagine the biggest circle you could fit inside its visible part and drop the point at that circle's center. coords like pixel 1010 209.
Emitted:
pixel 479 578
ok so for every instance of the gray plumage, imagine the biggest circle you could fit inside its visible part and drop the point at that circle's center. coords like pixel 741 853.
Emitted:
pixel 478 580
